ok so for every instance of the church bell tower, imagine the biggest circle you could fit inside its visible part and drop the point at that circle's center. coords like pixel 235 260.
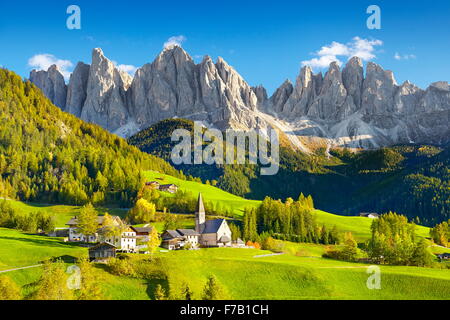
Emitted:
pixel 200 215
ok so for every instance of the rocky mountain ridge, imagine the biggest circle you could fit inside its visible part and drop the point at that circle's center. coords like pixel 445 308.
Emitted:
pixel 343 107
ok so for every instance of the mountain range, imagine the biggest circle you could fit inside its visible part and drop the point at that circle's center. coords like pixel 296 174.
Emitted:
pixel 351 107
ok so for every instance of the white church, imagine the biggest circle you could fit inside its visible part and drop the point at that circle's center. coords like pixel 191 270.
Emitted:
pixel 207 233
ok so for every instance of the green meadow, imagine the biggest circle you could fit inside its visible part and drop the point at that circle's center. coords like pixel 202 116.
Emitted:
pixel 242 272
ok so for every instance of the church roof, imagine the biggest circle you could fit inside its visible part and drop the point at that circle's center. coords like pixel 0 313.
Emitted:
pixel 212 226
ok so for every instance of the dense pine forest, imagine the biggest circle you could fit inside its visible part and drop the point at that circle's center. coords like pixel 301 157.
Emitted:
pixel 47 155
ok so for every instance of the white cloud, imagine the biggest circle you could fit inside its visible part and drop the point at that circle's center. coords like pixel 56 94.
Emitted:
pixel 128 68
pixel 398 56
pixel 363 48
pixel 174 41
pixel 46 60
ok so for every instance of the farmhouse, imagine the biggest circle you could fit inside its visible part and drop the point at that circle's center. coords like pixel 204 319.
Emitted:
pixel 207 233
pixel 177 239
pixel 172 188
pixel 443 256
pixel 102 251
pixel 126 240
pixel 369 215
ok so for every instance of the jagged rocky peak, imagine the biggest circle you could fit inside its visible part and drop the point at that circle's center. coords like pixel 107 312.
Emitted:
pixel 52 84
pixel 378 90
pixel 344 107
pixel 281 95
pixel 353 78
pixel 106 100
pixel 77 89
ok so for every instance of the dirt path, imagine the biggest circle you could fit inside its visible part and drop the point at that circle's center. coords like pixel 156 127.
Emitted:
pixel 21 268
pixel 269 255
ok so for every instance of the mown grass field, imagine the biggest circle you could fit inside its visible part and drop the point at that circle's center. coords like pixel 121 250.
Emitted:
pixel 241 274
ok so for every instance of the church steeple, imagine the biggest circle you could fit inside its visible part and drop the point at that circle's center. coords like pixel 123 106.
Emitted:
pixel 200 215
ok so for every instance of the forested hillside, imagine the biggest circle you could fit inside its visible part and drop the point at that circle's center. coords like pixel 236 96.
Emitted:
pixel 411 180
pixel 47 155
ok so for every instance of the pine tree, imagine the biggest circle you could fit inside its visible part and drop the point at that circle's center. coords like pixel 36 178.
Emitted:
pixel 187 293
pixel 90 289
pixel 53 283
pixel 212 290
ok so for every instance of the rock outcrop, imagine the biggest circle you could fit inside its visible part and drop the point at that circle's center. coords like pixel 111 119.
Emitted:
pixel 52 84
pixel 77 90
pixel 344 107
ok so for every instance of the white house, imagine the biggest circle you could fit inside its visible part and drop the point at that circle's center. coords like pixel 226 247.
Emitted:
pixel 126 241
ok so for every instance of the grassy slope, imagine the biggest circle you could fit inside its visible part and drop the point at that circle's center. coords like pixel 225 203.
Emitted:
pixel 62 213
pixel 359 226
pixel 292 277
pixel 243 276
pixel 19 250
pixel 210 193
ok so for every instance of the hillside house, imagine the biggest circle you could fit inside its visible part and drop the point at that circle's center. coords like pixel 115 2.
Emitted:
pixel 207 233
pixel 102 252
pixel 369 215
pixel 443 256
pixel 171 188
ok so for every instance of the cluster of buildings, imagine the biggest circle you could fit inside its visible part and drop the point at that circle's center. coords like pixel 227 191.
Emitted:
pixel 117 236
pixel 207 233
pixel 171 188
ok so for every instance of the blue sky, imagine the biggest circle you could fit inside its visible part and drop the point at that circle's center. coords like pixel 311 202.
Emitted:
pixel 265 41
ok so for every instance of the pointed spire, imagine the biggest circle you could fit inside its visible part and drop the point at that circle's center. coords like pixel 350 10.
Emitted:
pixel 200 205
pixel 200 215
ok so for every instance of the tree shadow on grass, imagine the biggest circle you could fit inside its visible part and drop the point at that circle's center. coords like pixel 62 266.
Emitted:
pixel 43 242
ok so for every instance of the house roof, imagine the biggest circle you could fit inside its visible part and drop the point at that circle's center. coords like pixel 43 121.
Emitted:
pixel 100 220
pixel 212 226
pixel 187 232
pixel 168 185
pixel 142 229
pixel 170 234
pixel 102 246
pixel 366 214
